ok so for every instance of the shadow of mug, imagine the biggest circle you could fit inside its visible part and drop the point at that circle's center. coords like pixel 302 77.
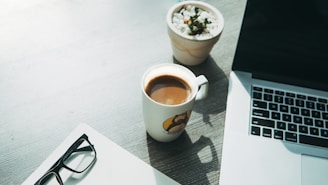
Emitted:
pixel 180 159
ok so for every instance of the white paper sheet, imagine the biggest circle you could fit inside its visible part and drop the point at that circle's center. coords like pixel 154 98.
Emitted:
pixel 114 165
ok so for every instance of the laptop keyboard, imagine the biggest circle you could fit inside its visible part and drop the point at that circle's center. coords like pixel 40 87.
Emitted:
pixel 289 116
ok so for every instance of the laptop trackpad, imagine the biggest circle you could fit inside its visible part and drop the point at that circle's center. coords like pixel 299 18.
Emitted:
pixel 314 170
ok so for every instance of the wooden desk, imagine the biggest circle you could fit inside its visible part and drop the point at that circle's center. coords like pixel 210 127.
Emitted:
pixel 63 62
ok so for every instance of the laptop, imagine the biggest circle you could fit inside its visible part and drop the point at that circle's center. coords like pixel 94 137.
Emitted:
pixel 276 129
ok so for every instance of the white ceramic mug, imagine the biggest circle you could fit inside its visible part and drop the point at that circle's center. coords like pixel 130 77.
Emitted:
pixel 165 122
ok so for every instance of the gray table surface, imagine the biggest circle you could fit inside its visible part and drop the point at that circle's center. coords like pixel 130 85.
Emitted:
pixel 63 62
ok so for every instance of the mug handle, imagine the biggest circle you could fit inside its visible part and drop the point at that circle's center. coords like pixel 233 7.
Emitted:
pixel 202 83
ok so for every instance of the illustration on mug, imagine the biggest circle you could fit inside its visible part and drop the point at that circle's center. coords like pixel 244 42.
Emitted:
pixel 177 123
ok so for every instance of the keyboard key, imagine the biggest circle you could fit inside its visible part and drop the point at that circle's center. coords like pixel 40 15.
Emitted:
pixel 316 141
pixel 256 88
pixel 321 106
pixel 268 97
pixel 311 98
pixel 305 112
pixel 322 100
pixel 278 134
pixel 289 101
pixel 291 136
pixel 278 99
pixel 324 133
pixel 261 113
pixel 286 117
pixel 281 125
pixel 270 91
pixel 301 96
pixel 266 132
pixel 259 104
pixel 275 115
pixel 318 123
pixel 308 121
pixel 283 108
pixel 297 119
pixel 299 103
pixel 314 131
pixel 290 94
pixel 325 115
pixel 303 129
pixel 279 92
pixel 255 131
pixel 263 122
pixel 309 104
pixel 316 114
pixel 273 106
pixel 292 127
pixel 294 110
pixel 257 95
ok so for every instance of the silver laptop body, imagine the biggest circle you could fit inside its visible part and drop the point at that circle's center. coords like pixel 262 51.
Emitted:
pixel 276 129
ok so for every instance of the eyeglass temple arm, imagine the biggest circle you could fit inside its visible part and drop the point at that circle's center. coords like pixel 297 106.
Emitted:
pixel 74 148
pixel 86 148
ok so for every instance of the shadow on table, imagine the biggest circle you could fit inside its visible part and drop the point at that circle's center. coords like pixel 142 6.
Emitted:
pixel 180 159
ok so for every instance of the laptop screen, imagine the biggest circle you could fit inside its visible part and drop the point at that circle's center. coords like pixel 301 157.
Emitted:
pixel 285 41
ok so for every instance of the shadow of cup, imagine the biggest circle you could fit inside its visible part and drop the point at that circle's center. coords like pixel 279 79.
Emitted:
pixel 182 159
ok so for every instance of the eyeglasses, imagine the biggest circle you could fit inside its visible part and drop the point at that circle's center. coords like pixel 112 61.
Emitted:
pixel 79 157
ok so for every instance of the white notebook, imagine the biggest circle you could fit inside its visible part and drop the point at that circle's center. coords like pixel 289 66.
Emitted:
pixel 114 164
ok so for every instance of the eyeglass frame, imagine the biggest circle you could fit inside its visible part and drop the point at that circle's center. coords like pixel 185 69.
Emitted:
pixel 59 164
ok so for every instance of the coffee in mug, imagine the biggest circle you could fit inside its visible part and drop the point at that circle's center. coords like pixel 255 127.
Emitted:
pixel 169 90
